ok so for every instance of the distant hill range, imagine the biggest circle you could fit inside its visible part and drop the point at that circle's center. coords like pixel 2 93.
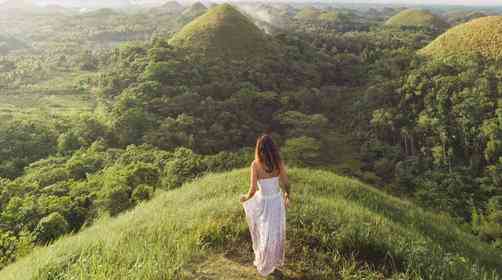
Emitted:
pixel 194 11
pixel 17 5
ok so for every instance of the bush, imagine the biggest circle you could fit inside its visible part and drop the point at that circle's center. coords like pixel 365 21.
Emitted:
pixel 406 172
pixel 142 193
pixel 115 198
pixel 68 142
pixel 302 151
pixel 227 160
pixel 384 168
pixel 51 227
pixel 184 166
pixel 370 177
pixel 374 150
pixel 141 173
pixel 8 244
pixel 490 228
pixel 447 191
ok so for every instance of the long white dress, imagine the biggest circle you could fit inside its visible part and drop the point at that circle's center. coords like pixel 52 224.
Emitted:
pixel 266 217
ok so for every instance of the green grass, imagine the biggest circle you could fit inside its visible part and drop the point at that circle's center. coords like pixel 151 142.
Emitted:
pixel 32 105
pixel 337 229
pixel 56 96
pixel 222 32
pixel 480 36
pixel 416 18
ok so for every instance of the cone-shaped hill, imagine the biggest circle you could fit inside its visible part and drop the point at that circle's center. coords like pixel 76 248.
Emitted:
pixel 308 13
pixel 417 18
pixel 480 36
pixel 222 32
pixel 329 16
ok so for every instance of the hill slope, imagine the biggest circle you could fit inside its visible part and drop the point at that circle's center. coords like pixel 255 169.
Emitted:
pixel 338 228
pixel 222 32
pixel 416 18
pixel 480 36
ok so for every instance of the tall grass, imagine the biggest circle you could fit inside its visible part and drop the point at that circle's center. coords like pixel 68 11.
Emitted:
pixel 338 228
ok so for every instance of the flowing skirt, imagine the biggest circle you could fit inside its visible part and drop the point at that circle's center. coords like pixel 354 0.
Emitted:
pixel 266 217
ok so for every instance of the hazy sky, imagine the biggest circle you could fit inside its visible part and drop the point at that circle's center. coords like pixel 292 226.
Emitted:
pixel 439 2
pixel 403 2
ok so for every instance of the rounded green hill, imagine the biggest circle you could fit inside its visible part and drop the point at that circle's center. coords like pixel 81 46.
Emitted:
pixel 309 13
pixel 329 16
pixel 223 32
pixel 480 36
pixel 417 18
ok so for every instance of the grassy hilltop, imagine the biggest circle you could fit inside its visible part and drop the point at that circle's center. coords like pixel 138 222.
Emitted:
pixel 480 36
pixel 308 13
pixel 221 32
pixel 416 18
pixel 338 228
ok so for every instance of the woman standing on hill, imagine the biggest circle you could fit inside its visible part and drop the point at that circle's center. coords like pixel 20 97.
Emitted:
pixel 265 206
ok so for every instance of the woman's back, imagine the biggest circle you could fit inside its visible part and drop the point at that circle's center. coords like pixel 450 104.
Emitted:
pixel 269 186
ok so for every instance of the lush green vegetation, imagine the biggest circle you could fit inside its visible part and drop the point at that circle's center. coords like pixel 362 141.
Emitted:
pixel 337 228
pixel 91 127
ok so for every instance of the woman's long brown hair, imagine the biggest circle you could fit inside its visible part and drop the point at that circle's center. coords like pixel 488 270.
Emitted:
pixel 267 154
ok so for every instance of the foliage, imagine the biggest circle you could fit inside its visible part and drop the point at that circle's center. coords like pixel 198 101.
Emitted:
pixel 302 151
pixel 22 142
pixel 51 227
pixel 184 166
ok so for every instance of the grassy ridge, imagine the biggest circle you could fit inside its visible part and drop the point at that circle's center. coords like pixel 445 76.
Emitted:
pixel 480 36
pixel 416 18
pixel 338 228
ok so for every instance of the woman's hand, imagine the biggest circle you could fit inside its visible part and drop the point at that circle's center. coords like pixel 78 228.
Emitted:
pixel 286 201
pixel 244 198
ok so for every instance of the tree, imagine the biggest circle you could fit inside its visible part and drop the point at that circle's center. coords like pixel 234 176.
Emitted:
pixel 184 166
pixel 302 151
pixel 51 227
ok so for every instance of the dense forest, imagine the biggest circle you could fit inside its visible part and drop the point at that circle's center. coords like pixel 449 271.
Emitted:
pixel 102 109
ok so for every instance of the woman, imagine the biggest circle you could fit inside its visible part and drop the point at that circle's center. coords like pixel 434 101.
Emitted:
pixel 265 206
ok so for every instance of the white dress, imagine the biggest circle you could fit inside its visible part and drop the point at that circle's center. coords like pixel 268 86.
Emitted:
pixel 266 217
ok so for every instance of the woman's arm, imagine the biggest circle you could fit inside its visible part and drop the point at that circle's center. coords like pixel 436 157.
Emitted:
pixel 285 181
pixel 253 184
